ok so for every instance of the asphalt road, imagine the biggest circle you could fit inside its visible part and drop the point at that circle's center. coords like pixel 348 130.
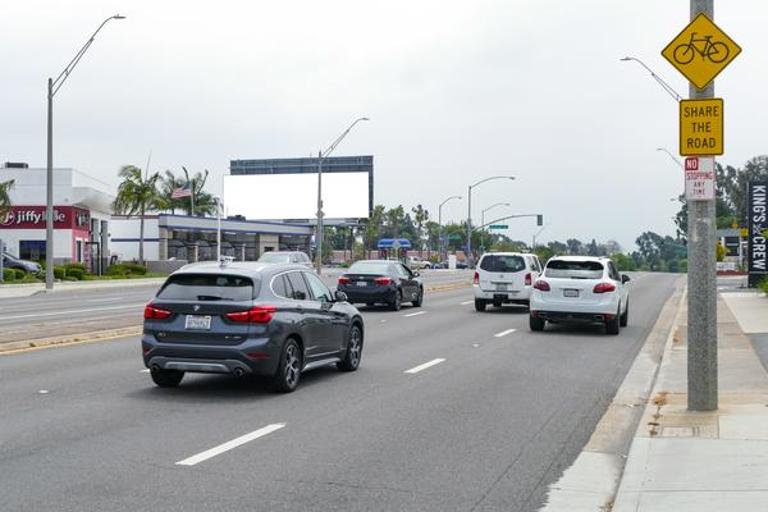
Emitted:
pixel 450 410
pixel 82 311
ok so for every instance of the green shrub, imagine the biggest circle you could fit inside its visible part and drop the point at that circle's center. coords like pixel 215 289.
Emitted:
pixel 126 269
pixel 9 275
pixel 79 266
pixel 59 272
pixel 76 272
pixel 764 286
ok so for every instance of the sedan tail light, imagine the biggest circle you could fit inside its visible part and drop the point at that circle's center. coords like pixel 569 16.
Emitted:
pixel 152 312
pixel 604 287
pixel 256 315
pixel 528 279
pixel 476 279
pixel 382 281
pixel 541 285
pixel 343 280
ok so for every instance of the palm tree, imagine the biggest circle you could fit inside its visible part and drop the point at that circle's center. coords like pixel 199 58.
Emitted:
pixel 420 218
pixel 137 195
pixel 168 183
pixel 204 203
pixel 5 197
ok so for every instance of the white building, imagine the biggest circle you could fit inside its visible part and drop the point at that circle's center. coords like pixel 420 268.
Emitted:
pixel 82 210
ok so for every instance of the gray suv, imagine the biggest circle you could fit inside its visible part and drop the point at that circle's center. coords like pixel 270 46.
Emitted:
pixel 248 319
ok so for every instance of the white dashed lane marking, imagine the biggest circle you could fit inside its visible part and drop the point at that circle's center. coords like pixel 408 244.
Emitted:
pixel 504 333
pixel 230 445
pixel 421 367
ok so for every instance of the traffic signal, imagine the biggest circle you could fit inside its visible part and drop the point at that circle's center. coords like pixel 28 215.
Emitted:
pixel 539 220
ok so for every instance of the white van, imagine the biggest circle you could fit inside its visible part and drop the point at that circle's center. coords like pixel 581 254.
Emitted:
pixel 505 278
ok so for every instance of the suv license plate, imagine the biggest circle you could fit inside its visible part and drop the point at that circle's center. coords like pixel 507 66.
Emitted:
pixel 197 322
pixel 570 293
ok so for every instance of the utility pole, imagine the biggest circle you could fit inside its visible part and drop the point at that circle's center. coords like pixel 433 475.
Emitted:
pixel 702 279
pixel 319 232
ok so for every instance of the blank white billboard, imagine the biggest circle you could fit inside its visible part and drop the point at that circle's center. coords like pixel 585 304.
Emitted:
pixel 294 196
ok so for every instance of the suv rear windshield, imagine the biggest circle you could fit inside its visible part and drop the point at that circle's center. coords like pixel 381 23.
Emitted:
pixel 574 269
pixel 276 257
pixel 500 263
pixel 211 287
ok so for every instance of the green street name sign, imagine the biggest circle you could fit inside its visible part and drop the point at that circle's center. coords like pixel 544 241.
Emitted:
pixel 499 226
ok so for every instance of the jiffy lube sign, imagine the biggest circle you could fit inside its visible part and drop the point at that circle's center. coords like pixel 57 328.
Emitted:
pixel 33 217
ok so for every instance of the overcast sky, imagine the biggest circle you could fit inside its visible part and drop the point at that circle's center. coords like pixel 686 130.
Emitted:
pixel 456 90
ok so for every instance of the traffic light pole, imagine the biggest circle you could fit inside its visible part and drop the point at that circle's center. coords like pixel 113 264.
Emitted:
pixel 702 280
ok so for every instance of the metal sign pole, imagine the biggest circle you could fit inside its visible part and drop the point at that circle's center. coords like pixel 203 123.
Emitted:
pixel 702 285
pixel 2 261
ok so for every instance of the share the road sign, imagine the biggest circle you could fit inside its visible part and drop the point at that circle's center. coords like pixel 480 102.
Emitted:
pixel 701 127
pixel 701 51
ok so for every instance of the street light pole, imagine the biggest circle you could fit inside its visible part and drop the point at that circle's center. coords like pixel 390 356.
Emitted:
pixel 482 220
pixel 673 157
pixel 469 210
pixel 440 243
pixel 53 88
pixel 702 279
pixel 320 156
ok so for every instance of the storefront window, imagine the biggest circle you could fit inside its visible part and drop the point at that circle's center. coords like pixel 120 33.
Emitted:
pixel 33 250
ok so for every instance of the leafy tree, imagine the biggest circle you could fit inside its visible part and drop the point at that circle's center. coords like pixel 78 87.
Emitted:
pixel 373 226
pixel 557 248
pixel 420 217
pixel 137 195
pixel 5 197
pixel 623 262
pixel 574 246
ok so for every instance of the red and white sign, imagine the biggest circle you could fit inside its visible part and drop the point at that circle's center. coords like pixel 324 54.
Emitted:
pixel 33 217
pixel 699 178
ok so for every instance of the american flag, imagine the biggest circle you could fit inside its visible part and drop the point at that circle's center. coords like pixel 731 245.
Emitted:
pixel 181 192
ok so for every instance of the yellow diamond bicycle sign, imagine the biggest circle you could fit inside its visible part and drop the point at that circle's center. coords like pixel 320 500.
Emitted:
pixel 701 51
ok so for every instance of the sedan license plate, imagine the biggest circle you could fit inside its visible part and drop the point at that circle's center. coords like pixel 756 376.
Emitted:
pixel 362 283
pixel 198 322
pixel 502 287
pixel 570 293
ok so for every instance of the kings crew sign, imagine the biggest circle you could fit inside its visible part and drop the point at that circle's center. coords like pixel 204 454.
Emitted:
pixel 701 127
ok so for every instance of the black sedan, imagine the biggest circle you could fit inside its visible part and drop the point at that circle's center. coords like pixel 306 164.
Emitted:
pixel 382 281
pixel 248 318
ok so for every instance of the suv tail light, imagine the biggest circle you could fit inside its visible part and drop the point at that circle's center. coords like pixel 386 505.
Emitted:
pixel 343 280
pixel 604 287
pixel 476 279
pixel 256 315
pixel 541 285
pixel 382 280
pixel 528 278
pixel 152 312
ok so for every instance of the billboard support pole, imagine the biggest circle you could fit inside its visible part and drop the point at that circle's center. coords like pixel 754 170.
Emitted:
pixel 319 233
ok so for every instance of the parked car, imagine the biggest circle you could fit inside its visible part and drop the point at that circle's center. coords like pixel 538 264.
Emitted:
pixel 295 257
pixel 580 289
pixel 382 281
pixel 10 261
pixel 505 278
pixel 248 319
pixel 417 263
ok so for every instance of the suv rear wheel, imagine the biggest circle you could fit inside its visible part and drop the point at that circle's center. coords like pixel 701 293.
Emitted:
pixel 288 373
pixel 166 378
pixel 535 323
pixel 625 316
pixel 612 326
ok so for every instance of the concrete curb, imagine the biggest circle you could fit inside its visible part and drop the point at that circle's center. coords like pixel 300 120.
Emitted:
pixel 591 483
pixel 16 347
pixel 9 291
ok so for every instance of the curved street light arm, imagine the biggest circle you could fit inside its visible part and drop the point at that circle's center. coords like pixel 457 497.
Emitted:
pixel 59 81
pixel 338 140
pixel 506 218
pixel 668 88
pixel 673 157
pixel 492 178
pixel 452 197
pixel 495 205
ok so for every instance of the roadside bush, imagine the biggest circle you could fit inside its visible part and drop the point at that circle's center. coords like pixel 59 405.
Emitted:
pixel 59 272
pixel 126 269
pixel 79 266
pixel 76 272
pixel 764 286
pixel 9 275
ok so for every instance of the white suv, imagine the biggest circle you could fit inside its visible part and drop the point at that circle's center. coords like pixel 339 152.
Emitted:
pixel 580 289
pixel 505 278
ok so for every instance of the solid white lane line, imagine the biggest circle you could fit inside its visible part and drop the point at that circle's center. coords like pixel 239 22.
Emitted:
pixel 467 302
pixel 73 311
pixel 504 333
pixel 229 445
pixel 417 369
pixel 415 314
pixel 115 299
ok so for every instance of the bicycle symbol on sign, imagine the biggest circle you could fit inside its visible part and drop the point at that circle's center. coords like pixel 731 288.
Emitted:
pixel 716 52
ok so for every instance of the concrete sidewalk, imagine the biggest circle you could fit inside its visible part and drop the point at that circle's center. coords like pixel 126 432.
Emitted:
pixel 8 291
pixel 686 461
